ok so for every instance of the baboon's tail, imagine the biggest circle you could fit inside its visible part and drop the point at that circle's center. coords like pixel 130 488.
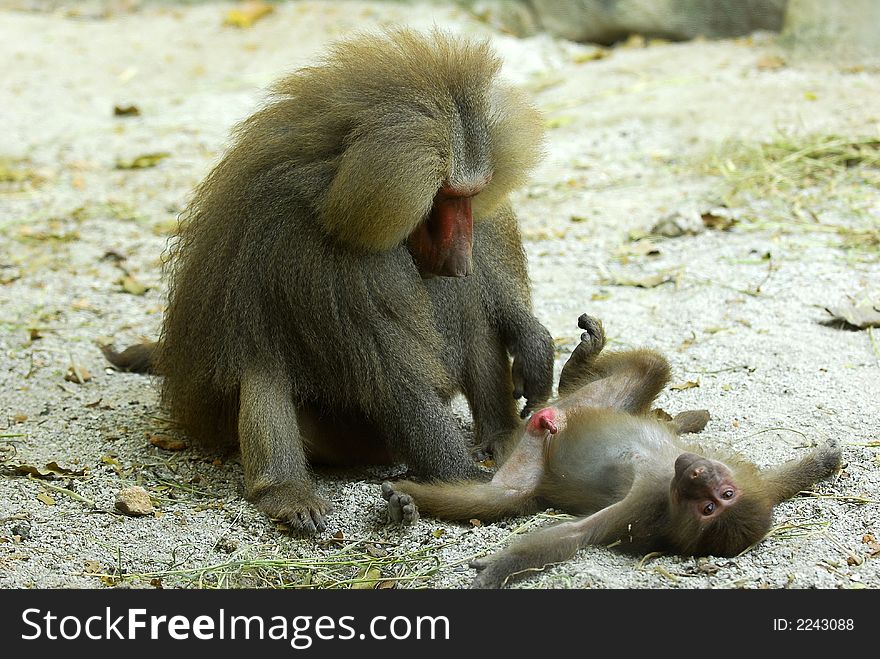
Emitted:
pixel 139 358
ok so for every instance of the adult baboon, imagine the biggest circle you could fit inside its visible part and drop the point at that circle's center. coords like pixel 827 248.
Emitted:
pixel 350 264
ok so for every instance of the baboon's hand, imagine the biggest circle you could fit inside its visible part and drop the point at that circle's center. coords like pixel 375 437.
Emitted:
pixel 533 367
pixel 690 421
pixel 829 457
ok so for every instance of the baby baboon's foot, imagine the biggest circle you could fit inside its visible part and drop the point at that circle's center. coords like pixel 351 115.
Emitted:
pixel 593 337
pixel 577 369
pixel 401 507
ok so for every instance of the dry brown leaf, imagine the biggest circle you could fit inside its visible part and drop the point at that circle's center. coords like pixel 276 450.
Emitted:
pixel 45 498
pixel 386 585
pixel 645 281
pixel 690 384
pixel 637 248
pixel 337 539
pixel 112 461
pixel 132 286
pixel 540 234
pixel 717 221
pixel 8 277
pixel 558 122
pixel 10 173
pixel 247 13
pixel 770 63
pixel 143 161
pixel 167 443
pixel 707 567
pixel 166 226
pixel 370 576
pixel 126 111
pixel 50 471
pixel 596 53
pixel 873 545
pixel 375 551
pixel 544 82
pixel 634 41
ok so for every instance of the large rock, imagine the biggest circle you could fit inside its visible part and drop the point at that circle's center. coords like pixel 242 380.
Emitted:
pixel 843 31
pixel 607 21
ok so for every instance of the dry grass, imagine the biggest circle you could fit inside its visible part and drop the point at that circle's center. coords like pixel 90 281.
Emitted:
pixel 822 184
pixel 354 564
pixel 789 163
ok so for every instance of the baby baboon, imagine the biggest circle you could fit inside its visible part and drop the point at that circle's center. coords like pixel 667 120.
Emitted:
pixel 597 452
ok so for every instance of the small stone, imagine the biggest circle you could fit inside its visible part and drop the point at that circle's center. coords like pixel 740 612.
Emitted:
pixel 77 374
pixel 683 222
pixel 134 501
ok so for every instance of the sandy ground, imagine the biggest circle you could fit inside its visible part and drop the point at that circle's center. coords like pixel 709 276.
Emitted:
pixel 629 134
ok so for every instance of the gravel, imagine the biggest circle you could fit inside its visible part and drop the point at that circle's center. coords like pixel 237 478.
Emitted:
pixel 629 133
